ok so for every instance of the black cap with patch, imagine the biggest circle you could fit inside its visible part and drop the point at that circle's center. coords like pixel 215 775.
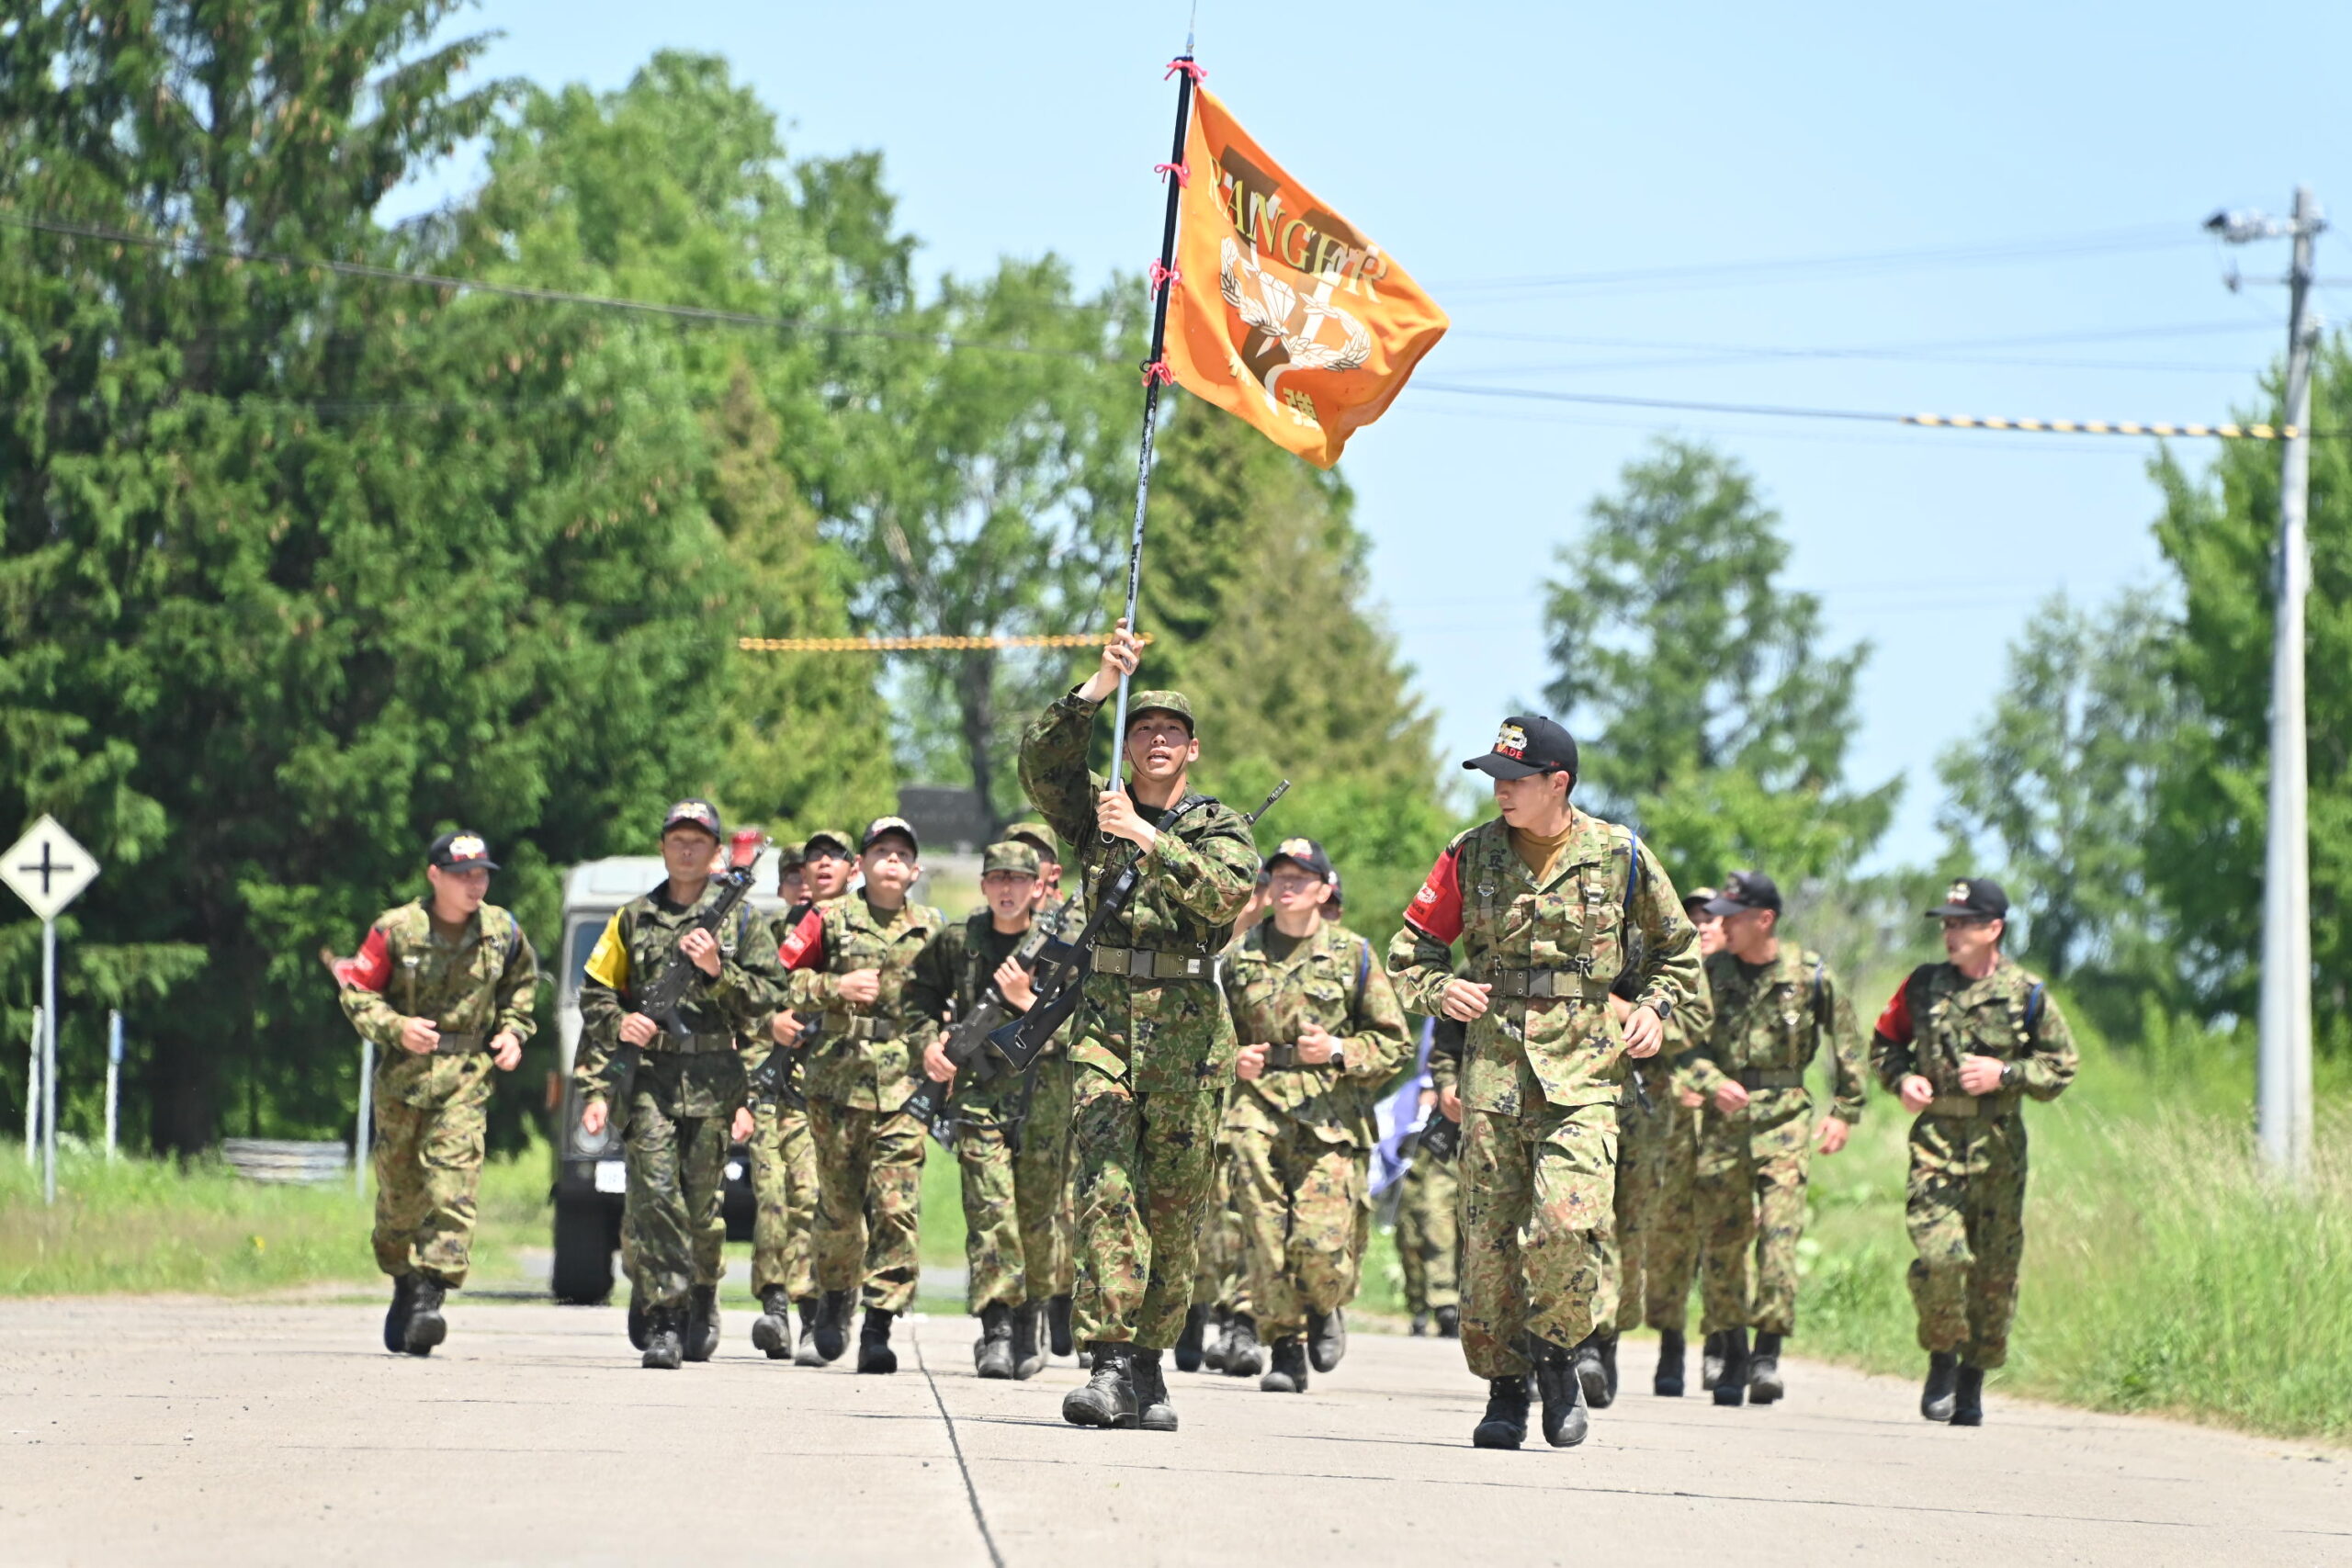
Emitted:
pixel 1973 898
pixel 691 813
pixel 1527 744
pixel 1306 854
pixel 460 850
pixel 1745 890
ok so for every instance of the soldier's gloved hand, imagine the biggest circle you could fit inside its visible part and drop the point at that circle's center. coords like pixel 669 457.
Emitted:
pixel 1915 1093
pixel 1463 1000
pixel 636 1028
pixel 1979 1075
pixel 740 1130
pixel 506 1051
pixel 1315 1045
pixel 860 987
pixel 1012 985
pixel 1730 1095
pixel 592 1117
pixel 1250 1064
pixel 1833 1134
pixel 935 1065
pixel 784 1027
pixel 701 949
pixel 419 1036
pixel 1645 1033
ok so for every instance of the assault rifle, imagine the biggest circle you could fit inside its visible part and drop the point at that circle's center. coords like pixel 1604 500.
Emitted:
pixel 662 1000
pixel 967 1040
pixel 1060 979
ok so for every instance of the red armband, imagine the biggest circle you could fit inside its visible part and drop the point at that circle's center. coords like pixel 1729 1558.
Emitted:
pixel 372 968
pixel 1895 1021
pixel 1436 909
pixel 805 947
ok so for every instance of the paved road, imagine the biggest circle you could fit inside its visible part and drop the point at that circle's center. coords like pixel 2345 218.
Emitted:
pixel 208 1432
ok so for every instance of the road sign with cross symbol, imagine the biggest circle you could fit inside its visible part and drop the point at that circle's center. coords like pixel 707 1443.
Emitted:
pixel 47 869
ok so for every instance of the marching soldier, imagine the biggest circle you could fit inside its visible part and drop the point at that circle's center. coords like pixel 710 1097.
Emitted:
pixel 1042 1166
pixel 1007 1290
pixel 1541 898
pixel 678 1095
pixel 1962 1045
pixel 850 957
pixel 784 1159
pixel 1776 1007
pixel 1155 1048
pixel 1323 1026
pixel 443 985
pixel 1661 1246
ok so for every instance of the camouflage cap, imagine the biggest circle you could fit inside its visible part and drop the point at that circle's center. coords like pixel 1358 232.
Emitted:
pixel 833 838
pixel 790 856
pixel 1176 702
pixel 883 826
pixel 1036 833
pixel 1009 855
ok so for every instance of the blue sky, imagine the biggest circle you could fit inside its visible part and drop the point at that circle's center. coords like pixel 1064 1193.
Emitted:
pixel 2055 160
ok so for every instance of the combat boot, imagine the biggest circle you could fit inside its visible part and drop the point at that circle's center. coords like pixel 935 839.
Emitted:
pixel 831 1333
pixel 641 1322
pixel 1764 1384
pixel 1154 1412
pixel 1057 1324
pixel 1667 1383
pixel 1244 1357
pixel 1711 1364
pixel 1504 1425
pixel 1938 1399
pixel 1559 1380
pixel 1609 1364
pixel 664 1344
pixel 991 1353
pixel 1287 1372
pixel 874 1352
pixel 1327 1338
pixel 1188 1343
pixel 1968 1397
pixel 702 1323
pixel 1592 1370
pixel 809 1309
pixel 1214 1335
pixel 1731 1384
pixel 426 1327
pixel 396 1316
pixel 1420 1324
pixel 1108 1396
pixel 1449 1322
pixel 772 1330
pixel 1028 1339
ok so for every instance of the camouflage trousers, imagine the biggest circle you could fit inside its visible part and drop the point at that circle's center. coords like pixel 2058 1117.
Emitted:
pixel 1537 1191
pixel 1300 1199
pixel 428 1164
pixel 784 1184
pixel 673 1232
pixel 1221 1276
pixel 869 1193
pixel 1041 1183
pixel 1669 1224
pixel 1429 1235
pixel 1752 1170
pixel 1965 1210
pixel 1146 1170
pixel 1625 1254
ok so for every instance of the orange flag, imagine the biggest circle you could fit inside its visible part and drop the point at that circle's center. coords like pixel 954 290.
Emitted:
pixel 1283 313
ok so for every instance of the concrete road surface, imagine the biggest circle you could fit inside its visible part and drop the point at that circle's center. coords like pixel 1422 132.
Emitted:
pixel 177 1431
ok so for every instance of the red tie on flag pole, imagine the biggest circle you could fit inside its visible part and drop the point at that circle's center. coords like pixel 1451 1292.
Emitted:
pixel 1288 317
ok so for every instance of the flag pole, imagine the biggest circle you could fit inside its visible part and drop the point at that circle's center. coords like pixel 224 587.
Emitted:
pixel 1155 370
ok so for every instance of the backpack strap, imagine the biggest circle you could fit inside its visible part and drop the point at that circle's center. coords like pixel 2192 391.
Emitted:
pixel 2034 1000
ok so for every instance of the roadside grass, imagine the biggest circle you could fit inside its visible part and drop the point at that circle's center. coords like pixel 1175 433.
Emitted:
pixel 2165 1272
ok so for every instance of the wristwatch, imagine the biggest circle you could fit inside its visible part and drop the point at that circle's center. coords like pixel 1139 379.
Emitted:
pixel 2008 1075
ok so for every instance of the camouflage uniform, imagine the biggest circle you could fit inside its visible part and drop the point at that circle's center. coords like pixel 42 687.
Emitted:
pixel 683 1092
pixel 1042 1166
pixel 1966 1204
pixel 857 1075
pixel 430 1128
pixel 784 1173
pixel 1657 1246
pixel 1771 1021
pixel 1541 1074
pixel 1154 1050
pixel 1301 1135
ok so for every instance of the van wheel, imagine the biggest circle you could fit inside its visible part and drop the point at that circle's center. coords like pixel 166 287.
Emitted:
pixel 583 1255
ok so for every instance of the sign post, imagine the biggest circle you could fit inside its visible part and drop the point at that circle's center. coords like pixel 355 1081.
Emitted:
pixel 48 869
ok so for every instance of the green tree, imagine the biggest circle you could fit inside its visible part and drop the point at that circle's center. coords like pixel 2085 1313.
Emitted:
pixel 2220 537
pixel 1709 712
pixel 2058 786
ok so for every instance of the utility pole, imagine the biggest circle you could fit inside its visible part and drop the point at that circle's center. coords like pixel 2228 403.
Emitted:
pixel 2283 1070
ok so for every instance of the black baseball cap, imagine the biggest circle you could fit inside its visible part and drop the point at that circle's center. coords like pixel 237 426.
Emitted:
pixel 1745 890
pixel 1527 744
pixel 1973 898
pixel 700 814
pixel 461 851
pixel 882 825
pixel 1306 854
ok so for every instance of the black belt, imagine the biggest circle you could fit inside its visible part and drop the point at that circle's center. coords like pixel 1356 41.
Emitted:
pixel 1772 1077
pixel 1543 983
pixel 1150 964
pixel 460 1045
pixel 669 1044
